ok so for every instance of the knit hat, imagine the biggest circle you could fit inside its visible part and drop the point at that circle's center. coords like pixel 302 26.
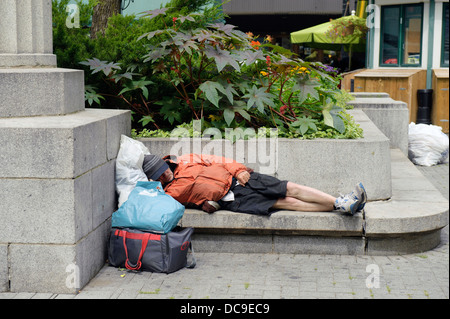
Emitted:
pixel 154 166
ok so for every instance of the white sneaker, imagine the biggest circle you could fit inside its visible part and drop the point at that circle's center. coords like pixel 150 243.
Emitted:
pixel 350 203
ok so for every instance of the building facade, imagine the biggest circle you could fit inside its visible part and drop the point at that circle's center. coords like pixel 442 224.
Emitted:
pixel 407 52
pixel 408 34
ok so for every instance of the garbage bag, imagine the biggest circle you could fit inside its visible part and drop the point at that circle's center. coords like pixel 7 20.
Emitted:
pixel 148 208
pixel 129 166
pixel 427 144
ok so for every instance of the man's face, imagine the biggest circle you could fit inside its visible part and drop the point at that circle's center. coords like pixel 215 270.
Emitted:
pixel 166 177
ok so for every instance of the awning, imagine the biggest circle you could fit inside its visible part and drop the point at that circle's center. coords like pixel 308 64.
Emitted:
pixel 316 37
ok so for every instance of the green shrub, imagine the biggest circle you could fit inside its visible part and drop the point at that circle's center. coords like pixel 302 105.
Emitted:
pixel 71 45
pixel 173 66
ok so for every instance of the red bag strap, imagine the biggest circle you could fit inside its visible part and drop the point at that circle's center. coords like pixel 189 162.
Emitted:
pixel 144 240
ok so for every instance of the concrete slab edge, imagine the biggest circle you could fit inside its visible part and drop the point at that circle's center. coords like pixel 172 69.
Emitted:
pixel 403 224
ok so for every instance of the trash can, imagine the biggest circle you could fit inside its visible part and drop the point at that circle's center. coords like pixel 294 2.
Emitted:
pixel 425 102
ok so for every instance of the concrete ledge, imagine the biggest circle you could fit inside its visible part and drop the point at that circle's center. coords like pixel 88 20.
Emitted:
pixel 390 116
pixel 49 91
pixel 333 166
pixel 27 60
pixel 281 222
pixel 416 206
pixel 60 146
pixel 408 223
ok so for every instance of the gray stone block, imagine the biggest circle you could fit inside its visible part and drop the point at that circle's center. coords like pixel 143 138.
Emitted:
pixel 41 91
pixel 403 245
pixel 45 210
pixel 390 116
pixel 60 146
pixel 57 268
pixel 40 268
pixel 104 197
pixel 287 222
pixel 319 245
pixel 268 243
pixel 416 206
pixel 235 243
pixel 27 60
pixel 4 278
pixel 57 211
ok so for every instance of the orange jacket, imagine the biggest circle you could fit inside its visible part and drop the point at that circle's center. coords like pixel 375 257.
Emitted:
pixel 200 178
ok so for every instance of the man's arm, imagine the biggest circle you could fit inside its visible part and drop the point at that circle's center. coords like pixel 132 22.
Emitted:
pixel 230 165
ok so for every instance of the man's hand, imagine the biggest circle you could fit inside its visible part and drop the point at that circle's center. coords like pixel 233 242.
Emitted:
pixel 210 207
pixel 243 177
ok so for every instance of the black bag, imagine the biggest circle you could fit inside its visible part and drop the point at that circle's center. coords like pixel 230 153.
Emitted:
pixel 138 250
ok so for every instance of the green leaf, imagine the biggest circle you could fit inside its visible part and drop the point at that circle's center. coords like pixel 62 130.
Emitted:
pixel 260 98
pixel 303 124
pixel 228 114
pixel 150 35
pixel 96 65
pixel 244 113
pixel 222 58
pixel 126 75
pixel 156 54
pixel 210 89
pixel 133 85
pixel 306 87
pixel 228 90
pixel 278 49
pixel 154 13
pixel 146 119
pixel 92 97
pixel 332 117
pixel 171 109
pixel 251 56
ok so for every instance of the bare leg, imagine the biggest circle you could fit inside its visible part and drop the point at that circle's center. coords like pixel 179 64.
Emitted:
pixel 291 203
pixel 303 198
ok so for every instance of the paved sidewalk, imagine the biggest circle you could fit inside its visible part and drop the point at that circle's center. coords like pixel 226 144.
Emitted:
pixel 275 276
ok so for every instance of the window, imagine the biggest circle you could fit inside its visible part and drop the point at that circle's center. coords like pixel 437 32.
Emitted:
pixel 401 35
pixel 444 52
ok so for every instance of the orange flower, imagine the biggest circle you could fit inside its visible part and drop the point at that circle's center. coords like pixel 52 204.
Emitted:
pixel 255 44
pixel 270 39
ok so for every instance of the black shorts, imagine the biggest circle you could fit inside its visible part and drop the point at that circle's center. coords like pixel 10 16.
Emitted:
pixel 257 196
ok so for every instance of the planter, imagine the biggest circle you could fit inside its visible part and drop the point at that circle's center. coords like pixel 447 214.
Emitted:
pixel 390 116
pixel 333 166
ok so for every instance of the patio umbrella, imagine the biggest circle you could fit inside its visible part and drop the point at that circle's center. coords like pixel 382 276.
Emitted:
pixel 317 37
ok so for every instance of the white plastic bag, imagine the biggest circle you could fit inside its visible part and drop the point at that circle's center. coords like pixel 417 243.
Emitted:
pixel 428 145
pixel 129 166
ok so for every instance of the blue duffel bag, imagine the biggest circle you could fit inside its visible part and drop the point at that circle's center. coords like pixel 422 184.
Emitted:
pixel 148 208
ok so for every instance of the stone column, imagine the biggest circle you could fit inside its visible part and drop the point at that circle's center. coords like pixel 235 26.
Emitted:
pixel 57 161
pixel 30 83
pixel 26 37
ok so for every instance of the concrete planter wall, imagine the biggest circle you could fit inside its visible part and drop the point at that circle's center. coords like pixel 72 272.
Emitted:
pixel 390 116
pixel 333 166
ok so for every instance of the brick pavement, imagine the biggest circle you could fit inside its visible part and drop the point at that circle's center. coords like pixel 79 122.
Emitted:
pixel 275 276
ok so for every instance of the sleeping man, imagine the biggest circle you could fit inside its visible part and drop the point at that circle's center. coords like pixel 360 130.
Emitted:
pixel 210 182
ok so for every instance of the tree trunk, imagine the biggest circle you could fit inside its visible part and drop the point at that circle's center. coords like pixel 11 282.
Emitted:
pixel 102 12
